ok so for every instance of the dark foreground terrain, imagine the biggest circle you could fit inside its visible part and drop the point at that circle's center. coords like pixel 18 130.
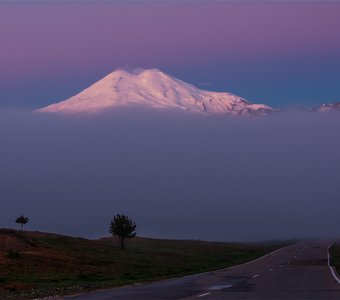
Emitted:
pixel 36 264
pixel 335 256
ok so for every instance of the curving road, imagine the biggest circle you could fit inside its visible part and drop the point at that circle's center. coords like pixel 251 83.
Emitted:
pixel 299 271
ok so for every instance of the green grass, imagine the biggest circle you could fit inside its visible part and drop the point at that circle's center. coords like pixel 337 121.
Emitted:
pixel 48 264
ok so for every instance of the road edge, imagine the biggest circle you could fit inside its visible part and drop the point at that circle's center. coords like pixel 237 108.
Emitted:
pixel 332 269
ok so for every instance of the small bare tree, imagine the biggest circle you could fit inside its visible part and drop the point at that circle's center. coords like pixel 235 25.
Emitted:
pixel 22 220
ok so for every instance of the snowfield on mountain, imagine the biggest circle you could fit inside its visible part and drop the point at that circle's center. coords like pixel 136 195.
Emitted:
pixel 155 89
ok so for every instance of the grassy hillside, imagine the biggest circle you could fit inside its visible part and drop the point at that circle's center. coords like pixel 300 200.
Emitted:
pixel 34 264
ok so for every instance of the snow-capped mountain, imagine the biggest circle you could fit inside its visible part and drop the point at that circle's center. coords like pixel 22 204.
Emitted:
pixel 153 88
pixel 328 107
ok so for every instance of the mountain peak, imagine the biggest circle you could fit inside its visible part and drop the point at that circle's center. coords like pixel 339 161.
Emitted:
pixel 330 107
pixel 136 72
pixel 155 89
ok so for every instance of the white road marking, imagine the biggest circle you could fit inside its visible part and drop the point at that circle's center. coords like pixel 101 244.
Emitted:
pixel 256 275
pixel 271 269
pixel 335 276
pixel 202 295
pixel 219 287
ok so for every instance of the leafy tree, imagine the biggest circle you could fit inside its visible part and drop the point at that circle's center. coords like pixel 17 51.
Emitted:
pixel 122 227
pixel 22 220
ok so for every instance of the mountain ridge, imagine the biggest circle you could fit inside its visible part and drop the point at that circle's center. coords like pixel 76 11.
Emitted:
pixel 327 107
pixel 155 89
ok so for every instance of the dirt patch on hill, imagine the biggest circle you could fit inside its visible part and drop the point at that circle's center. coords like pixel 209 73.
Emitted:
pixel 11 240
pixel 8 243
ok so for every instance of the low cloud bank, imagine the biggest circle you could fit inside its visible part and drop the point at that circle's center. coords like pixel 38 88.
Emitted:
pixel 178 175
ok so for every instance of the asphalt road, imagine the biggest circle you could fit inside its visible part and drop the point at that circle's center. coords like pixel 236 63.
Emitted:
pixel 299 271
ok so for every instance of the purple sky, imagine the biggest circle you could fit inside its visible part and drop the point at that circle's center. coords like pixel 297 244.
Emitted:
pixel 282 54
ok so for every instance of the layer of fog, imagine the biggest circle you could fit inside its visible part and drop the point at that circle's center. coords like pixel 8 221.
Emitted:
pixel 177 175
